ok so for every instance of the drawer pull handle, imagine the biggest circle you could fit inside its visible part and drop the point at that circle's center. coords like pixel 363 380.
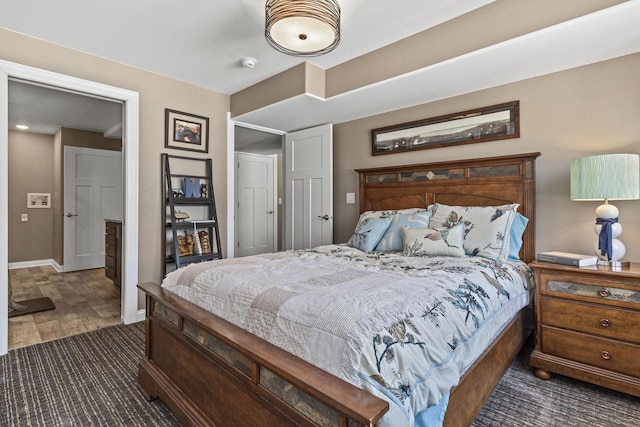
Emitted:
pixel 606 355
pixel 604 292
pixel 605 323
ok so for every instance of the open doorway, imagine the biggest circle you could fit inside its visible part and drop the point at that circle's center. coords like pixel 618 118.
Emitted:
pixel 65 155
pixel 129 294
pixel 258 191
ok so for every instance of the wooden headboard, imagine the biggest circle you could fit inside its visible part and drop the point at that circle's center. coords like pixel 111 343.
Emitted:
pixel 487 181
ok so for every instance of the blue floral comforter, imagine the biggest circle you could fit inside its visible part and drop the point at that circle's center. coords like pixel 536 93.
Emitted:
pixel 403 328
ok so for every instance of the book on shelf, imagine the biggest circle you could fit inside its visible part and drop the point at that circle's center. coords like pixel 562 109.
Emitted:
pixel 567 258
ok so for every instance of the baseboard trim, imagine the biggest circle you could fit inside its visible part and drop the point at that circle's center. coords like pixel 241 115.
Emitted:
pixel 142 314
pixel 36 263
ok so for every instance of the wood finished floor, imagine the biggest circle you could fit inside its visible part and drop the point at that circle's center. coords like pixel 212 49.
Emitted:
pixel 85 301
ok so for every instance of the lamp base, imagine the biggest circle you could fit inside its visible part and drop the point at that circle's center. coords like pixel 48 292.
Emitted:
pixel 613 265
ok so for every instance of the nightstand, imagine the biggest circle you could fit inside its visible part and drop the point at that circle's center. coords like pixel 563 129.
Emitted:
pixel 588 324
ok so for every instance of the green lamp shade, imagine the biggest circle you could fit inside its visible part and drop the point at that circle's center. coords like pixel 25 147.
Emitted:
pixel 606 176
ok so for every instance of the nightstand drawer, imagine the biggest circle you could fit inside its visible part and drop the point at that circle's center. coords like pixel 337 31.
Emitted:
pixel 603 353
pixel 599 291
pixel 592 319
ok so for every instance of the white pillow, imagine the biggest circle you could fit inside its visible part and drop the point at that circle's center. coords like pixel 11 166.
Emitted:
pixel 431 242
pixel 487 228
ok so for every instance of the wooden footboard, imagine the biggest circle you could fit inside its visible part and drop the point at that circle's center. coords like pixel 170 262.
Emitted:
pixel 212 373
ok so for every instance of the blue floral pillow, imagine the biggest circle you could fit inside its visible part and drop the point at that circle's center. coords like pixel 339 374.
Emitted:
pixel 393 239
pixel 369 233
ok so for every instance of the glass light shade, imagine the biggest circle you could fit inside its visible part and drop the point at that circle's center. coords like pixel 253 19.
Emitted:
pixel 302 27
pixel 606 177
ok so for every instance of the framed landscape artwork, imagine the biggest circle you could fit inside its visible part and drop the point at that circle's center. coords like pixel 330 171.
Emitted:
pixel 185 131
pixel 467 127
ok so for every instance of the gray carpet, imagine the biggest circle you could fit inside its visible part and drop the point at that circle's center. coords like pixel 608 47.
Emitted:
pixel 521 399
pixel 90 380
pixel 83 380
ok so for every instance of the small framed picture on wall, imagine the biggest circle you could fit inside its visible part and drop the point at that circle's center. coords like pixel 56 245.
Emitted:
pixel 184 131
pixel 38 200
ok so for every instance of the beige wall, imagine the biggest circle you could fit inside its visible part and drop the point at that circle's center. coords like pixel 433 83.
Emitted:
pixel 156 93
pixel 30 171
pixel 588 110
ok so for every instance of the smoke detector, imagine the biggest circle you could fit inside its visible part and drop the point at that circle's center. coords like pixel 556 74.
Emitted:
pixel 248 62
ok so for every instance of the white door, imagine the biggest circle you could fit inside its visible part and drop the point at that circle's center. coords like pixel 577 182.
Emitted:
pixel 255 211
pixel 92 193
pixel 308 177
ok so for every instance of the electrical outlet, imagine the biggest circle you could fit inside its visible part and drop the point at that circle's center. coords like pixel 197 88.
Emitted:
pixel 24 217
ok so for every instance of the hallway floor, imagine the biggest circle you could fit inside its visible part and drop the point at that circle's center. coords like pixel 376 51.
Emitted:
pixel 85 301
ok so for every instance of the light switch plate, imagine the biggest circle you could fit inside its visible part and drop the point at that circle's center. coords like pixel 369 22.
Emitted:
pixel 24 217
pixel 351 197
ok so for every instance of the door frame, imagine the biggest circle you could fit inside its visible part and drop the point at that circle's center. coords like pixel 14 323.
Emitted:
pixel 231 180
pixel 130 151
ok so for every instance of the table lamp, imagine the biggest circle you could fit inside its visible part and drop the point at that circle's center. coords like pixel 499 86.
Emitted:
pixel 607 177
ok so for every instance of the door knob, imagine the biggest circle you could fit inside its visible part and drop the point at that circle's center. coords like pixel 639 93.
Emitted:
pixel 325 217
pixel 69 215
pixel 270 212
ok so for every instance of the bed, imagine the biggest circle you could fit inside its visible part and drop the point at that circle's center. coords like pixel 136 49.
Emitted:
pixel 210 372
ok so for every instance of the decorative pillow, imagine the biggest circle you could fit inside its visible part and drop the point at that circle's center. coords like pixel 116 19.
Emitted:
pixel 487 228
pixel 369 233
pixel 432 242
pixel 387 214
pixel 392 239
pixel 515 236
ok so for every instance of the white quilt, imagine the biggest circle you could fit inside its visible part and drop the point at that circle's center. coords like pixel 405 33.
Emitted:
pixel 403 328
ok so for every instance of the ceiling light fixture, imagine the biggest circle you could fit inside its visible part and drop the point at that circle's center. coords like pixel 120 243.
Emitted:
pixel 302 27
pixel 22 127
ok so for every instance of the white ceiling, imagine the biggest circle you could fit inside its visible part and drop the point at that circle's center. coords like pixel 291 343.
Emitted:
pixel 45 110
pixel 202 42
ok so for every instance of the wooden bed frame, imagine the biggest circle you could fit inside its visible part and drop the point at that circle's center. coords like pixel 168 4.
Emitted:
pixel 209 372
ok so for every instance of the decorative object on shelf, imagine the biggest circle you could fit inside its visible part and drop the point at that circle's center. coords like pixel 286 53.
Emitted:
pixel 192 187
pixel 38 200
pixel 468 127
pixel 607 177
pixel 197 249
pixel 302 27
pixel 185 131
pixel 180 215
pixel 185 245
pixel 204 242
pixel 177 192
pixel 203 191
